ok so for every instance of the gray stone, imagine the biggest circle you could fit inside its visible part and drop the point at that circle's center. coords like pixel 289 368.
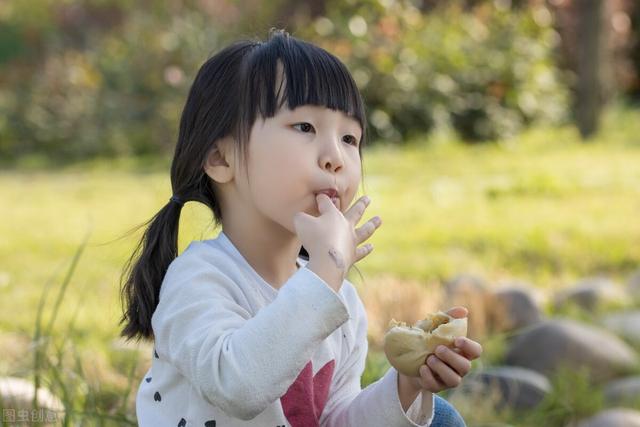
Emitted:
pixel 18 393
pixel 471 292
pixel 625 391
pixel 616 417
pixel 515 309
pixel 465 284
pixel 634 285
pixel 589 294
pixel 548 345
pixel 626 324
pixel 517 388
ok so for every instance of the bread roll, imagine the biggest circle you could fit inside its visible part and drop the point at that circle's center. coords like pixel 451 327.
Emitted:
pixel 407 347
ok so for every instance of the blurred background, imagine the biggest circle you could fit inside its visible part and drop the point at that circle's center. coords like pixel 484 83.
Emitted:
pixel 504 160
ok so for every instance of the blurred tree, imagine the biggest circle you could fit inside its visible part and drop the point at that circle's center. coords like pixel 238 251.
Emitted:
pixel 304 10
pixel 115 88
pixel 481 68
pixel 599 52
pixel 81 78
pixel 634 52
pixel 591 63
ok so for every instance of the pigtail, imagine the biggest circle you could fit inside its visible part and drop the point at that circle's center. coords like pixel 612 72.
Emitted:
pixel 207 116
pixel 145 270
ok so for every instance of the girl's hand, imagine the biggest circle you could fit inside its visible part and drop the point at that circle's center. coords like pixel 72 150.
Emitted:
pixel 447 366
pixel 332 239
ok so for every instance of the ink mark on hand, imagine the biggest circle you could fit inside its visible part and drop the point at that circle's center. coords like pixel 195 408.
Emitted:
pixel 337 258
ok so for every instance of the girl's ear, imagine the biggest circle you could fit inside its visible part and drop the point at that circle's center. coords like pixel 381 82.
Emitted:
pixel 220 160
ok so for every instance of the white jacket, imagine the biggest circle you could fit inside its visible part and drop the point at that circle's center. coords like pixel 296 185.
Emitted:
pixel 231 350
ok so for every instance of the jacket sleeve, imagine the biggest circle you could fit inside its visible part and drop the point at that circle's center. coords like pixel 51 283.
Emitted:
pixel 237 362
pixel 378 405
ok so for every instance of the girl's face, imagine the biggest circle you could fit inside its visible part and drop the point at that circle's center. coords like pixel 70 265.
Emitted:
pixel 297 153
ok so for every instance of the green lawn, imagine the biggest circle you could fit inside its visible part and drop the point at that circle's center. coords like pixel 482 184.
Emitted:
pixel 544 207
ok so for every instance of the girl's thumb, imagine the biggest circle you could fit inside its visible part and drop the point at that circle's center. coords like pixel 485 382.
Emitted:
pixel 324 203
pixel 458 312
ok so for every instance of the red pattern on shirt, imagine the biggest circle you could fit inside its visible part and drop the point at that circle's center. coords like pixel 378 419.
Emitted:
pixel 306 397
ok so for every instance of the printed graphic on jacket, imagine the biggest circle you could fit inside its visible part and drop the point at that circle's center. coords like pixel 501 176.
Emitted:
pixel 305 399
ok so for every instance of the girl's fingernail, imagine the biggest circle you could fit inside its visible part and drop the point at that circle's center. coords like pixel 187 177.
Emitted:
pixel 459 342
pixel 366 199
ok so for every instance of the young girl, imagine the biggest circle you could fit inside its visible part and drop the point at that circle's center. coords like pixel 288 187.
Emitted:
pixel 258 327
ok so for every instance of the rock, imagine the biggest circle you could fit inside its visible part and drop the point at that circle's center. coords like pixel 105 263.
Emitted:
pixel 471 292
pixel 514 387
pixel 17 395
pixel 626 324
pixel 623 392
pixel 616 417
pixel 546 346
pixel 589 294
pixel 633 285
pixel 465 284
pixel 514 309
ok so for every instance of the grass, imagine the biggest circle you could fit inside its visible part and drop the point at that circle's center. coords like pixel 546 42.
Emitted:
pixel 544 207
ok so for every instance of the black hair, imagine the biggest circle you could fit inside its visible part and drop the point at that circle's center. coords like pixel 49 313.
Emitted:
pixel 230 90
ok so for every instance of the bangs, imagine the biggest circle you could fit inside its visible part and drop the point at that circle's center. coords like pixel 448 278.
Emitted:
pixel 286 70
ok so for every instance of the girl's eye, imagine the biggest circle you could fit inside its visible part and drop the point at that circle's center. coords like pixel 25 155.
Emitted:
pixel 305 127
pixel 351 140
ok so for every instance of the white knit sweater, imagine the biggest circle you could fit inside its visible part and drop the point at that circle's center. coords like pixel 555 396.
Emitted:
pixel 231 350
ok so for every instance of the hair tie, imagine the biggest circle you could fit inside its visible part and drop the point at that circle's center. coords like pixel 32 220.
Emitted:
pixel 176 199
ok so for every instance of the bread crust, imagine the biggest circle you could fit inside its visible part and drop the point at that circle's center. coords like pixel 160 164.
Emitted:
pixel 407 347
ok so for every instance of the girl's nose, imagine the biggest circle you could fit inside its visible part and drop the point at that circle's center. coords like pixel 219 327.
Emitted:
pixel 331 157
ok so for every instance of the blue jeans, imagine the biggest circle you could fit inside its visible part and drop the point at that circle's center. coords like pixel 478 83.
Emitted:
pixel 445 415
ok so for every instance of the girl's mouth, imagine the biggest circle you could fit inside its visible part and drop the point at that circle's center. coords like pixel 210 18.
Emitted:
pixel 336 202
pixel 333 195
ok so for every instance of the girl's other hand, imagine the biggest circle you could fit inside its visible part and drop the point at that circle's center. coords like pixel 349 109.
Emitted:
pixel 332 239
pixel 447 366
